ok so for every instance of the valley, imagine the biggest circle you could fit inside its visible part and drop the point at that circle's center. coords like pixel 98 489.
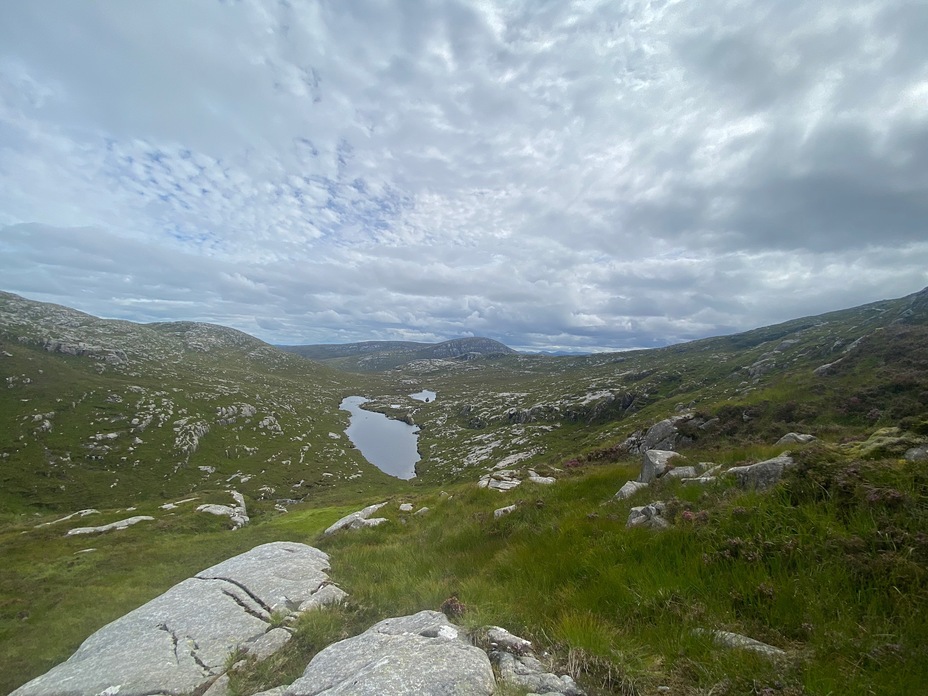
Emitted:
pixel 157 420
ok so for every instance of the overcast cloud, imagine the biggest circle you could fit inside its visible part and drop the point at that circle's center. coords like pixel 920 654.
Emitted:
pixel 554 175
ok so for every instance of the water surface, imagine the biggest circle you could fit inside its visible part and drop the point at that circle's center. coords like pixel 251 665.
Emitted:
pixel 388 444
pixel 424 395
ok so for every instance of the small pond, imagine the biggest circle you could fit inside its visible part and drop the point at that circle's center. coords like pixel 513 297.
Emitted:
pixel 388 444
pixel 424 395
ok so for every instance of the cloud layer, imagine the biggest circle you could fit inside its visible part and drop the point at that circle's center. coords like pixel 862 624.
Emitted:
pixel 553 175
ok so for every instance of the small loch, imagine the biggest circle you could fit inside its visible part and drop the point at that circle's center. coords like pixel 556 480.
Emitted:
pixel 424 395
pixel 388 444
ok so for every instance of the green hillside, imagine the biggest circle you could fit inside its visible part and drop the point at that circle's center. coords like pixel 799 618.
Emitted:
pixel 830 565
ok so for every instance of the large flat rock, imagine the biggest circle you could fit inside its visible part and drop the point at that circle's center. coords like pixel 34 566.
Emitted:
pixel 418 655
pixel 180 640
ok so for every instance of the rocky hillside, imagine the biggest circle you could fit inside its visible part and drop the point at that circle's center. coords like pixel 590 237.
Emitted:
pixel 108 411
pixel 377 356
pixel 856 367
pixel 743 514
pixel 97 412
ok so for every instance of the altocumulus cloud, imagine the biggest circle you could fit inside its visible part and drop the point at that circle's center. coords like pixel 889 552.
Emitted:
pixel 582 176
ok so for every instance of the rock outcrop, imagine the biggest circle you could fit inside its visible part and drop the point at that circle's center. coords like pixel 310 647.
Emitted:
pixel 654 463
pixel 663 435
pixel 629 489
pixel 237 513
pixel 500 480
pixel 518 666
pixel 727 639
pixel 358 520
pixel 762 475
pixel 507 479
pixel 181 641
pixel 503 511
pixel 796 439
pixel 650 516
pixel 121 524
pixel 110 355
pixel 418 655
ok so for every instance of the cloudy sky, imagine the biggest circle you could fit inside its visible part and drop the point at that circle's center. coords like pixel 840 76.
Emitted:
pixel 552 174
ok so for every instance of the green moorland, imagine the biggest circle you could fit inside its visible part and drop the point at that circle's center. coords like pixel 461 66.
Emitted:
pixel 831 565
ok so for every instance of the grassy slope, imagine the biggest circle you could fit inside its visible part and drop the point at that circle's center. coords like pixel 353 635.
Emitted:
pixel 830 567
pixel 823 568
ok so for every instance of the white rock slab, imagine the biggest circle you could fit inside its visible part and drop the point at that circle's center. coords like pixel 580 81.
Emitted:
pixel 179 641
pixel 121 524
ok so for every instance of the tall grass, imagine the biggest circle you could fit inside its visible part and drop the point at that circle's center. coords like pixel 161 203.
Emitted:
pixel 620 607
pixel 830 566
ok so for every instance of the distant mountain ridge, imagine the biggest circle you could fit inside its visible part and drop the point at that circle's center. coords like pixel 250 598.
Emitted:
pixel 383 355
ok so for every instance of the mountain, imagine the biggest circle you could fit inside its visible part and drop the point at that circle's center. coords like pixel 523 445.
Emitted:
pixel 104 412
pixel 99 412
pixel 517 520
pixel 378 356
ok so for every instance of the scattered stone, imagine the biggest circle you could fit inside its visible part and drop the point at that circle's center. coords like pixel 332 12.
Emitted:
pixel 359 519
pixel 421 511
pixel 178 642
pixel 796 439
pixel 418 655
pixel 503 511
pixel 540 480
pixel 735 640
pixel 650 516
pixel 763 474
pixel 500 638
pixel 703 480
pixel 527 672
pixel 917 454
pixel 406 507
pixel 629 489
pixel 79 513
pixel 172 506
pixel 826 369
pixel 121 524
pixel 663 435
pixel 501 480
pixel 707 476
pixel 681 472
pixel 236 514
pixel 654 463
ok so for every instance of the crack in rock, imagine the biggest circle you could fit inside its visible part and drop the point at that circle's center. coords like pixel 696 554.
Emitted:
pixel 164 627
pixel 247 609
pixel 243 588
pixel 192 647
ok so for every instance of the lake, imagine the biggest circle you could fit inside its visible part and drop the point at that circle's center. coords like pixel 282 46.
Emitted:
pixel 388 444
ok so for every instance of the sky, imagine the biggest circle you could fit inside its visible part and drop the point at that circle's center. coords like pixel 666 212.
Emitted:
pixel 575 176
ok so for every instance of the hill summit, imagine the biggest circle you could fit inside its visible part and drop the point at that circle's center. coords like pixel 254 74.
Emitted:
pixel 375 356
